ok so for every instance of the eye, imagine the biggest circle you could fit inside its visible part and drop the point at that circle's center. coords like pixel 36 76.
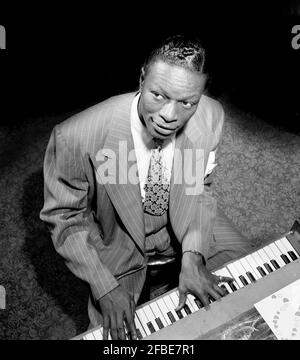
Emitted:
pixel 187 105
pixel 157 95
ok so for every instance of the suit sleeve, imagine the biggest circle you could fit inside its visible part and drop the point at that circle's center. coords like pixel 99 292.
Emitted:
pixel 65 211
pixel 199 233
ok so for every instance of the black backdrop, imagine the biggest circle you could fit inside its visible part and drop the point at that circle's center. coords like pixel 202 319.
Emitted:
pixel 60 60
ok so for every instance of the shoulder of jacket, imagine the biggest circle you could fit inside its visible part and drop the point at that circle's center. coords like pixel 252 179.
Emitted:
pixel 96 117
pixel 211 111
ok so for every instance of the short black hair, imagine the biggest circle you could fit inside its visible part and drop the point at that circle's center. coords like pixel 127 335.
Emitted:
pixel 181 50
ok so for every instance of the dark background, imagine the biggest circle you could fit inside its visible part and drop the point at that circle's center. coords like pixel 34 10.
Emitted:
pixel 65 59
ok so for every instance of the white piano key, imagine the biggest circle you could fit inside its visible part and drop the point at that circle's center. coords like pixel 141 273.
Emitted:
pixel 283 250
pixel 98 334
pixel 266 259
pixel 174 297
pixel 170 306
pixel 225 272
pixel 139 326
pixel 272 256
pixel 161 304
pixel 126 329
pixel 233 270
pixel 191 303
pixel 150 316
pixel 241 270
pixel 143 319
pixel 187 304
pixel 259 260
pixel 158 313
pixel 89 336
pixel 249 269
pixel 284 241
pixel 252 262
pixel 277 253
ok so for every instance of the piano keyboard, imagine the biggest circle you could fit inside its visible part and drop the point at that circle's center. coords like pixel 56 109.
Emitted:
pixel 160 313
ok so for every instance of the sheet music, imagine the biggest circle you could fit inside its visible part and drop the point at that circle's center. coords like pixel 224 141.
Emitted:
pixel 281 311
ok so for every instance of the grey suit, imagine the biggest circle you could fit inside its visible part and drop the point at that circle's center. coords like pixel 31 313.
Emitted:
pixel 99 228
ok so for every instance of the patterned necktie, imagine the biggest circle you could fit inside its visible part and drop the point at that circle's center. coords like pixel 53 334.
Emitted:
pixel 157 187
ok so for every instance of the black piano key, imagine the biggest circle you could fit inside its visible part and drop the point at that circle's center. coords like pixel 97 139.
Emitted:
pixel 159 323
pixel 171 317
pixel 250 276
pixel 187 309
pixel 275 264
pixel 261 271
pixel 211 299
pixel 292 255
pixel 225 290
pixel 243 280
pixel 139 334
pixel 151 327
pixel 285 258
pixel 268 267
pixel 232 286
pixel 198 303
pixel 179 313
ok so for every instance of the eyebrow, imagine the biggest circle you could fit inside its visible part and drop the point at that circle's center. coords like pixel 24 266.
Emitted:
pixel 193 97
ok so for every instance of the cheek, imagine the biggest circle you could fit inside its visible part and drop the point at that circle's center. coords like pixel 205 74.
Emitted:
pixel 184 116
pixel 150 106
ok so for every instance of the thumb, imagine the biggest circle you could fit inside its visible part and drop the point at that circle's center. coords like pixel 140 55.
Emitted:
pixel 182 300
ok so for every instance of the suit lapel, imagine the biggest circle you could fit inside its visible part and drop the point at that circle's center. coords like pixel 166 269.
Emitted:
pixel 192 144
pixel 124 192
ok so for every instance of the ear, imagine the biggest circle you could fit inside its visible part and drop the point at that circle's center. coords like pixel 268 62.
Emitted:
pixel 142 77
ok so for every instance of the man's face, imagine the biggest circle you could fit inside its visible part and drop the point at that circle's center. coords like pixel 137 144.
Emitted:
pixel 169 97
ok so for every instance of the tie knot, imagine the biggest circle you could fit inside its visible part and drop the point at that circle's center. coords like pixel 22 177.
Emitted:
pixel 157 143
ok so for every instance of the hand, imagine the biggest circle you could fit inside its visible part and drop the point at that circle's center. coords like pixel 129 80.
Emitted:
pixel 194 278
pixel 118 308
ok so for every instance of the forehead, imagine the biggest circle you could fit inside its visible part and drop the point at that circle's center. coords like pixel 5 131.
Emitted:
pixel 174 79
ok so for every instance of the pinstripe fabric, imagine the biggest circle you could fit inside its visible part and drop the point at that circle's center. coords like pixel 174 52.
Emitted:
pixel 158 238
pixel 99 228
pixel 227 243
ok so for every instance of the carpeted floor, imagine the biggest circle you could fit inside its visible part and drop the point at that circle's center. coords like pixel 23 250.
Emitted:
pixel 257 184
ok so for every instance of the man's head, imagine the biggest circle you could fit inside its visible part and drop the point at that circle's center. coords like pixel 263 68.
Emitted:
pixel 172 81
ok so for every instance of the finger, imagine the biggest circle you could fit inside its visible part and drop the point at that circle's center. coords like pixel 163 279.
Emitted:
pixel 120 326
pixel 227 279
pixel 105 327
pixel 113 327
pixel 132 307
pixel 131 326
pixel 214 294
pixel 220 290
pixel 220 279
pixel 182 300
pixel 204 299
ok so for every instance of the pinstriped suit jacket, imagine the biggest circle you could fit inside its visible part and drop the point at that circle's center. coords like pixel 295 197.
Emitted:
pixel 99 228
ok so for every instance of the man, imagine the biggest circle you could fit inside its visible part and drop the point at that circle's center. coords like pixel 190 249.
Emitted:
pixel 108 218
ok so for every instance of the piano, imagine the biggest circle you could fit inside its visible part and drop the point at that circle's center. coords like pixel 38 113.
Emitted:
pixel 256 276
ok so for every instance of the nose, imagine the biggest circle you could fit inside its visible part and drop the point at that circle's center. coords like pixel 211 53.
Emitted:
pixel 169 112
